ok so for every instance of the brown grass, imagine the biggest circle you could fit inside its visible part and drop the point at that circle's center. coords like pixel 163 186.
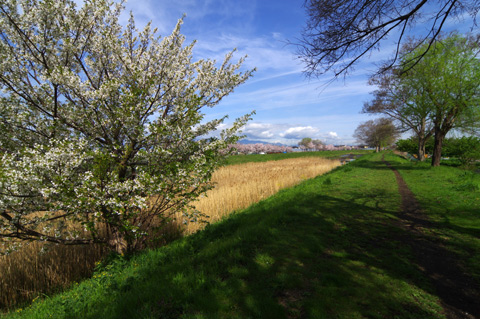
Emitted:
pixel 27 273
pixel 239 186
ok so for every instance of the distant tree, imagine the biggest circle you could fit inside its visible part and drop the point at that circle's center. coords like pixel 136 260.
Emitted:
pixel 306 143
pixel 330 147
pixel 377 133
pixel 318 145
pixel 339 33
pixel 260 147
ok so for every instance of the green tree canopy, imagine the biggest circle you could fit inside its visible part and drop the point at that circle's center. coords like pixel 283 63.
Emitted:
pixel 446 86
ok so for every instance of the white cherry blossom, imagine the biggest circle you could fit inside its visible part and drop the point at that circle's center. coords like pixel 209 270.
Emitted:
pixel 102 124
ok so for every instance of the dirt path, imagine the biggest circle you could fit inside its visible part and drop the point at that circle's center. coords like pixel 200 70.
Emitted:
pixel 459 294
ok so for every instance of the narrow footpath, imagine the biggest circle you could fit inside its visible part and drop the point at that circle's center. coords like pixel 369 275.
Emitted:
pixel 458 292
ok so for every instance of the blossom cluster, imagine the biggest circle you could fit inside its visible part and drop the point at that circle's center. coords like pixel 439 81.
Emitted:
pixel 260 148
pixel 327 147
pixel 102 123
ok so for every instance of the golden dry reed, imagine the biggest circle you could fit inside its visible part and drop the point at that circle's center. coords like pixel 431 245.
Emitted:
pixel 28 273
pixel 239 186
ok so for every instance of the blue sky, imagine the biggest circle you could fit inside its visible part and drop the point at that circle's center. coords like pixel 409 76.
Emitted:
pixel 288 105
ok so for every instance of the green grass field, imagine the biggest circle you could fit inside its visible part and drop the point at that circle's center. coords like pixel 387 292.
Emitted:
pixel 240 159
pixel 326 248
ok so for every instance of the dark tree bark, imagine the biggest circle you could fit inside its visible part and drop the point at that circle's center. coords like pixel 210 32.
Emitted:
pixel 437 148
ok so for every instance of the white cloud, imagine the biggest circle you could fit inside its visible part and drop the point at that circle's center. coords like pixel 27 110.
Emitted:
pixel 290 134
pixel 299 132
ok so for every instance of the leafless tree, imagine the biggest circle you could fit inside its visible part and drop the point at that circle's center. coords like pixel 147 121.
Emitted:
pixel 339 33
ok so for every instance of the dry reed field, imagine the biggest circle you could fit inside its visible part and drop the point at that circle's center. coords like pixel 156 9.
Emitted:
pixel 239 186
pixel 27 273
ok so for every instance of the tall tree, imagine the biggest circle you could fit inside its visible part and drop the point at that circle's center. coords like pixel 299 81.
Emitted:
pixel 447 81
pixel 377 133
pixel 102 124
pixel 441 93
pixel 339 33
pixel 403 102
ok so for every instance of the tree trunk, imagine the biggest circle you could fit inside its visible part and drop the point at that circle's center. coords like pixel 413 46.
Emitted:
pixel 421 147
pixel 117 241
pixel 437 147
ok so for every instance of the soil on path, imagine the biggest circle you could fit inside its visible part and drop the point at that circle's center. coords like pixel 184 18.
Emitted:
pixel 458 292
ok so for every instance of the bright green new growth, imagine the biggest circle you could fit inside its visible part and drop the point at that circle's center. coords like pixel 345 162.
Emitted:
pixel 447 78
pixel 433 89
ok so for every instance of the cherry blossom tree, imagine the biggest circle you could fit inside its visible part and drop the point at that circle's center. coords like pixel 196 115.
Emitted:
pixel 102 124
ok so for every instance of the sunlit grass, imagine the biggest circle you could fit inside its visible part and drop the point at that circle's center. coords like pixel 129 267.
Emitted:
pixel 240 159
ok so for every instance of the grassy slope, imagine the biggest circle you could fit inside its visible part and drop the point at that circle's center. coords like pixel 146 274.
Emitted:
pixel 322 249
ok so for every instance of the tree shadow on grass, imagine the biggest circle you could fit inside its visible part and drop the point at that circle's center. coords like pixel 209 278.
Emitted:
pixel 298 254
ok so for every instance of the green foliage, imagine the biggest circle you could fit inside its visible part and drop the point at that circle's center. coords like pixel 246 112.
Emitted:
pixel 447 78
pixel 407 145
pixel 410 145
pixel 433 88
pixel 465 149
